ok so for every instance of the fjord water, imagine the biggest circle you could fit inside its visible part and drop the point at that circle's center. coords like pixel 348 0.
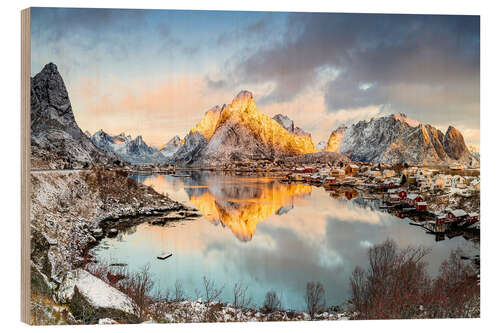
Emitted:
pixel 265 234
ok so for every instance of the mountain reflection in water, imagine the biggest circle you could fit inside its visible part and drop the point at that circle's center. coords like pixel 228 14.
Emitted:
pixel 238 203
pixel 265 234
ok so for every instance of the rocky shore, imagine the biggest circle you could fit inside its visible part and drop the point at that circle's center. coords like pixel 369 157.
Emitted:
pixel 70 211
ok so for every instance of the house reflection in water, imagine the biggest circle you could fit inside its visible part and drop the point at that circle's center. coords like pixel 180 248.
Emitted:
pixel 343 191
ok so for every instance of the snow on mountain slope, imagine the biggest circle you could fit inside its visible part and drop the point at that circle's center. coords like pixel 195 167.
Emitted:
pixel 397 139
pixel 131 150
pixel 289 125
pixel 171 147
pixel 321 145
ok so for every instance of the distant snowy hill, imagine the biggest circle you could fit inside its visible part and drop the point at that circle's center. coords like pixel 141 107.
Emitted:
pixel 333 144
pixel 171 147
pixel 134 151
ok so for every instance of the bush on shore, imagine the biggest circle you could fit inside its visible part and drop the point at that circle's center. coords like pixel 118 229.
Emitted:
pixel 396 285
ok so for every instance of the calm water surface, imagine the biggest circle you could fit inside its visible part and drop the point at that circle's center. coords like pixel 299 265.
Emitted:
pixel 265 234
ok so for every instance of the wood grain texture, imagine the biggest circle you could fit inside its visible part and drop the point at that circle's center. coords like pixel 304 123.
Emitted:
pixel 25 165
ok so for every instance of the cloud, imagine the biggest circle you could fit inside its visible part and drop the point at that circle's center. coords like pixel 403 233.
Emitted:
pixel 347 93
pixel 158 110
pixel 423 65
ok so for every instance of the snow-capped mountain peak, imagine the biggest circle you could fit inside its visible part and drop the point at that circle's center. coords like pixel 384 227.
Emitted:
pixel 404 118
pixel 135 151
pixel 289 125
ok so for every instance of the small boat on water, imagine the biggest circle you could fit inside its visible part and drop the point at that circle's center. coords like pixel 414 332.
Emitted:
pixel 417 223
pixel 164 256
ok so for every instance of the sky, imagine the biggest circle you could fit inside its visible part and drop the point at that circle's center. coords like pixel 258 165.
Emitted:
pixel 156 72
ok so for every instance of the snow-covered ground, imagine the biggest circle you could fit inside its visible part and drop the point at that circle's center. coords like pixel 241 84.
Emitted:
pixel 200 311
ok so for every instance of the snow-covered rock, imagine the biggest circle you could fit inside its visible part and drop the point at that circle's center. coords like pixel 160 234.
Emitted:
pixel 190 151
pixel 475 152
pixel 89 296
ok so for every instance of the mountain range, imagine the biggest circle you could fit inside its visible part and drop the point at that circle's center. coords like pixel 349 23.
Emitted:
pixel 237 132
pixel 135 151
pixel 396 139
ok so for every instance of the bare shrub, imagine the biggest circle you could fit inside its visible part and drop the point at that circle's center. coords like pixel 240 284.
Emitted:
pixel 99 270
pixel 396 285
pixel 455 292
pixel 138 286
pixel 178 291
pixel 163 296
pixel 315 297
pixel 271 302
pixel 211 292
pixel 240 299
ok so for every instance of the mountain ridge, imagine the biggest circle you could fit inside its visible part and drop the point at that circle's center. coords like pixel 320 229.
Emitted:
pixel 396 139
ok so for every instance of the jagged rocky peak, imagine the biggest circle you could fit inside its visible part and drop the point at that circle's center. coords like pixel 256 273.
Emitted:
pixel 56 139
pixel 243 96
pixel 139 140
pixel 175 141
pixel 207 125
pixel 404 118
pixel 333 144
pixel 171 147
pixel 284 121
pixel 454 143
pixel 50 98
pixel 289 125
pixel 397 139
pixel 243 102
pixel 135 151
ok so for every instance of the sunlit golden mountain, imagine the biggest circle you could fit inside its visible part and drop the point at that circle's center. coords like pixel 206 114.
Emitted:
pixel 239 131
pixel 335 139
